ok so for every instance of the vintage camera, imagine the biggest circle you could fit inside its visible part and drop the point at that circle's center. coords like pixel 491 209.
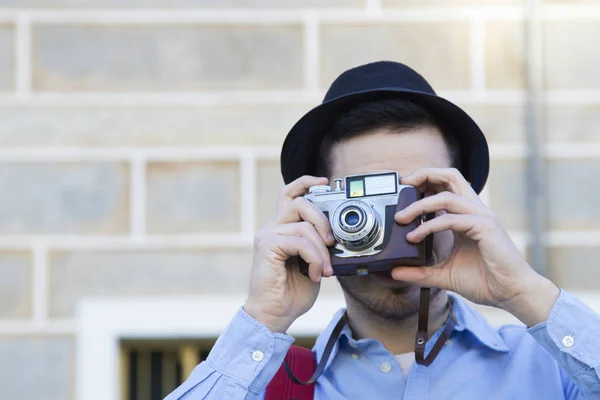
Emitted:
pixel 362 221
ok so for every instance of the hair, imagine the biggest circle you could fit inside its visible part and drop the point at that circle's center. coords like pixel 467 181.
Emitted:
pixel 395 114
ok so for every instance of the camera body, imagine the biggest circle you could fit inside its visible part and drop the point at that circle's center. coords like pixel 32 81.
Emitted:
pixel 362 222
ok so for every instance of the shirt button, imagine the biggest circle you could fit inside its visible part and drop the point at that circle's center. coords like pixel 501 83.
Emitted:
pixel 355 356
pixel 258 355
pixel 386 367
pixel 568 341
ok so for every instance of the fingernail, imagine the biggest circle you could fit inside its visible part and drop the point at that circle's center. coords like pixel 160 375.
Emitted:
pixel 329 269
pixel 330 237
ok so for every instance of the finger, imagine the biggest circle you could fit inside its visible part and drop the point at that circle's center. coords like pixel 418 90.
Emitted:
pixel 439 180
pixel 299 187
pixel 444 201
pixel 303 210
pixel 470 225
pixel 299 246
pixel 307 230
pixel 423 276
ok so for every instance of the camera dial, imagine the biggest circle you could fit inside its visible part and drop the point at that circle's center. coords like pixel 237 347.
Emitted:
pixel 319 189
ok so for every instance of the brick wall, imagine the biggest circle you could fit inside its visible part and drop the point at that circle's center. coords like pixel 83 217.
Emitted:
pixel 140 140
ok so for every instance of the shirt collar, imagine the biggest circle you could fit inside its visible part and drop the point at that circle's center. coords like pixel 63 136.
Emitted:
pixel 467 319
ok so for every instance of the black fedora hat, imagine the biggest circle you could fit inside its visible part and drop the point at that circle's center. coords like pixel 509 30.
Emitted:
pixel 376 81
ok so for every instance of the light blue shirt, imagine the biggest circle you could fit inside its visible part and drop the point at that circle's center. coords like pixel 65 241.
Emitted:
pixel 557 359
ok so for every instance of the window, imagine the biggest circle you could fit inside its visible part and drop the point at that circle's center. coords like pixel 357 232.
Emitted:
pixel 153 368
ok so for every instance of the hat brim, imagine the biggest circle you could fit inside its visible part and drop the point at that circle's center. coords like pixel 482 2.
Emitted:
pixel 300 149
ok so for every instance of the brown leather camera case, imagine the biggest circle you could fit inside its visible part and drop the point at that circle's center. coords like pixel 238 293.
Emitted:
pixel 397 251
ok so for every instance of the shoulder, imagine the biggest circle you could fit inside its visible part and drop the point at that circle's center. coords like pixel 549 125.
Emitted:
pixel 522 344
pixel 515 334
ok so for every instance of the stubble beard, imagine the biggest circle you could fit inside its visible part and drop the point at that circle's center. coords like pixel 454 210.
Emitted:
pixel 387 303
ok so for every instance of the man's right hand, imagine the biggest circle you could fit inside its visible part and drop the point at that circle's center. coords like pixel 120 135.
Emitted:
pixel 279 293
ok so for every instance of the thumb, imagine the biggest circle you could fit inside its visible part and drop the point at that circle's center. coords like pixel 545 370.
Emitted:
pixel 422 276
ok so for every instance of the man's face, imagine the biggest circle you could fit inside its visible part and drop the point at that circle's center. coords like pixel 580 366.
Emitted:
pixel 404 152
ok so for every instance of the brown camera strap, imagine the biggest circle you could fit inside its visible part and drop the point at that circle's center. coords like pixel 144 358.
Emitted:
pixel 421 337
pixel 328 349
pixel 420 340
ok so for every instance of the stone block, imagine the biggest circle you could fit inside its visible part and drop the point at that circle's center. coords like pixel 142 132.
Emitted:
pixel 15 285
pixel 193 197
pixel 33 368
pixel 507 190
pixel 571 55
pixel 166 58
pixel 269 183
pixel 573 194
pixel 505 55
pixel 7 57
pixel 573 123
pixel 575 268
pixel 76 275
pixel 64 198
pixel 499 122
pixel 439 51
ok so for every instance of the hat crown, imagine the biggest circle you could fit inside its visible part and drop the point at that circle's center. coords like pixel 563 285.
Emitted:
pixel 378 75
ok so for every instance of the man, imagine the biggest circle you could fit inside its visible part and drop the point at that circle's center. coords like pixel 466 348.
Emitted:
pixel 385 117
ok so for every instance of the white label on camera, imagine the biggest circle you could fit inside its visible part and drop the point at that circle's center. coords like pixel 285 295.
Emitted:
pixel 380 184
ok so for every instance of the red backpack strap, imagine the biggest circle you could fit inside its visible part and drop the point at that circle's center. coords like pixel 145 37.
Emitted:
pixel 303 363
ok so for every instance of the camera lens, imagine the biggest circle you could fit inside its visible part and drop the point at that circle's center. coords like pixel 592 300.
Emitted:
pixel 356 225
pixel 352 218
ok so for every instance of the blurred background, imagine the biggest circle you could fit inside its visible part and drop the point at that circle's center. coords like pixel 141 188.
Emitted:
pixel 139 144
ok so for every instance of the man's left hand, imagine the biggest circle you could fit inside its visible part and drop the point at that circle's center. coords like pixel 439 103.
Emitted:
pixel 484 265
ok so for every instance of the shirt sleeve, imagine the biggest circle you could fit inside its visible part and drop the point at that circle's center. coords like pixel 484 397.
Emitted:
pixel 572 336
pixel 240 365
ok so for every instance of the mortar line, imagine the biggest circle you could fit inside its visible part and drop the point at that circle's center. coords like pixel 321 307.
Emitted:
pixel 40 283
pixel 303 97
pixel 215 98
pixel 477 33
pixel 54 327
pixel 311 53
pixel 23 56
pixel 373 7
pixel 264 16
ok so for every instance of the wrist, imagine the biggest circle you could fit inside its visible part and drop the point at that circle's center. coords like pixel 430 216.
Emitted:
pixel 273 323
pixel 534 302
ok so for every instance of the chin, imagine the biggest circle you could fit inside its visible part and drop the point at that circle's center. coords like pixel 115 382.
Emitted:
pixel 378 293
